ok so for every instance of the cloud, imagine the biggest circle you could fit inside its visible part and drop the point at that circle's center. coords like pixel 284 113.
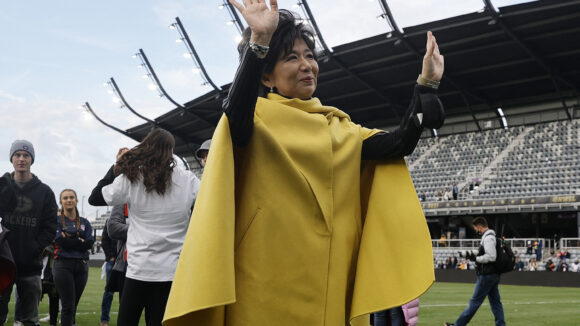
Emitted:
pixel 12 97
pixel 71 150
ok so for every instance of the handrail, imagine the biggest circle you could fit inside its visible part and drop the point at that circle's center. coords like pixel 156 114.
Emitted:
pixel 570 243
pixel 518 243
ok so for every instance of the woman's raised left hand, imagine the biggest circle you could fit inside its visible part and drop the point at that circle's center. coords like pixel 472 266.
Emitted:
pixel 433 61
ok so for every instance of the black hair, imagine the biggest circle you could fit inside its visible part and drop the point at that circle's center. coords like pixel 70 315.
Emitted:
pixel 290 27
pixel 479 221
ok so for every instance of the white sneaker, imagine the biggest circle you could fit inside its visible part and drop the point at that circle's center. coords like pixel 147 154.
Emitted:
pixel 45 319
pixel 17 323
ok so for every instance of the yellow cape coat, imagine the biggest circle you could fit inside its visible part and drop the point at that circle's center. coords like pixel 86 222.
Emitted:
pixel 293 230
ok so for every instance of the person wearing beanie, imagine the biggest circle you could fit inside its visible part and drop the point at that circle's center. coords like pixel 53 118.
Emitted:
pixel 22 145
pixel 32 225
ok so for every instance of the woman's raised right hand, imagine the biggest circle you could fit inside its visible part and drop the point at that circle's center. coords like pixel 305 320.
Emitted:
pixel 261 19
pixel 121 152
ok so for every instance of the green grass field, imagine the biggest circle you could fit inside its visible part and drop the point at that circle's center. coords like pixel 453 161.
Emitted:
pixel 523 305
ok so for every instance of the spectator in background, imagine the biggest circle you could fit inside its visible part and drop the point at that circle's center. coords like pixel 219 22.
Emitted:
pixel 48 286
pixel 563 254
pixel 117 227
pixel 443 240
pixel 203 151
pixel 519 266
pixel 563 265
pixel 538 249
pixel 447 195
pixel 533 264
pixel 455 191
pixel 529 248
pixel 575 266
pixel 454 261
pixel 550 267
pixel 439 195
pixel 422 196
pixel 110 249
pixel 454 242
pixel 32 225
pixel 74 239
pixel 159 197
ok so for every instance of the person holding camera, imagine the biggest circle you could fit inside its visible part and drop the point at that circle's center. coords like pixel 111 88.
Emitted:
pixel 74 238
pixel 487 276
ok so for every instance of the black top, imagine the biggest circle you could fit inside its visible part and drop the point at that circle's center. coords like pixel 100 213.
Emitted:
pixel 240 104
pixel 109 245
pixel 32 224
pixel 96 197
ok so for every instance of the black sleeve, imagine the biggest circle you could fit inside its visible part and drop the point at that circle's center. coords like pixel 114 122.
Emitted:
pixel 88 244
pixel 87 236
pixel 48 222
pixel 402 141
pixel 7 194
pixel 70 243
pixel 241 101
pixel 96 197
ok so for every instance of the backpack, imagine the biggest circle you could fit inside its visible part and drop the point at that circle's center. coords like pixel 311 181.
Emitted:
pixel 506 259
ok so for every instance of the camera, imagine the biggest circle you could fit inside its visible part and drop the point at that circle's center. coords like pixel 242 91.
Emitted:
pixel 469 254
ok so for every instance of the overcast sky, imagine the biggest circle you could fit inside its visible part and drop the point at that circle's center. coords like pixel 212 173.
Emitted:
pixel 57 54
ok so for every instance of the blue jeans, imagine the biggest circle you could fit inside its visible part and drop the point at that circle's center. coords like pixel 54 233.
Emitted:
pixel 486 286
pixel 107 296
pixel 397 317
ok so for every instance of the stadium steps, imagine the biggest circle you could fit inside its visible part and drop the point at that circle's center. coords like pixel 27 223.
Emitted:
pixel 423 155
pixel 488 174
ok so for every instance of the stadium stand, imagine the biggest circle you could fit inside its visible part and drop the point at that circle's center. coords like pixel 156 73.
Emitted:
pixel 454 156
pixel 544 162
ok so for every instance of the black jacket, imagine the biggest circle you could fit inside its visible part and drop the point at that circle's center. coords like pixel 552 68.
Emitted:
pixel 7 203
pixel 32 224
pixel 71 246
pixel 7 194
pixel 109 245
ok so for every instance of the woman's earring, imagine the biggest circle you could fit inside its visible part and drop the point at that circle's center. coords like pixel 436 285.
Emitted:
pixel 272 89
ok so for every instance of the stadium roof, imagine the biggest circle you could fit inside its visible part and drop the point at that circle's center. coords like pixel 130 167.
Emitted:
pixel 511 56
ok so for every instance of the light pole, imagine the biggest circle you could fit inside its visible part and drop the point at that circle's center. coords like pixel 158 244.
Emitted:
pixel 83 206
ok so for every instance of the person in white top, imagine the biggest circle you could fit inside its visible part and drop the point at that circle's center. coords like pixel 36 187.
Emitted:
pixel 159 196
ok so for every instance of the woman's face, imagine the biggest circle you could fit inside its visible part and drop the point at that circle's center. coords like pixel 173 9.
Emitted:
pixel 68 200
pixel 295 74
